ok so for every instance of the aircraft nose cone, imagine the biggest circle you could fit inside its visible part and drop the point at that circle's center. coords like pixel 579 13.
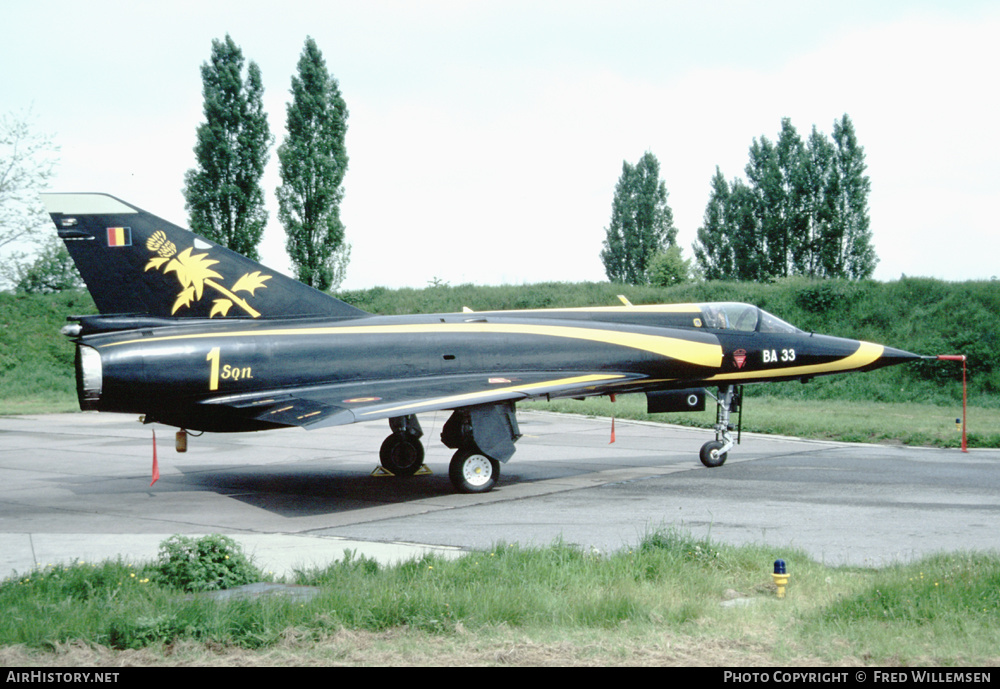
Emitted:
pixel 899 355
pixel 891 357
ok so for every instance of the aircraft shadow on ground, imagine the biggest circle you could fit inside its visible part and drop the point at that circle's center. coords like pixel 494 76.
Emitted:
pixel 310 492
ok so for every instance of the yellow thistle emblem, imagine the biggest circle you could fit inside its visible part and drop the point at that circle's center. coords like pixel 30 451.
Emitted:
pixel 194 272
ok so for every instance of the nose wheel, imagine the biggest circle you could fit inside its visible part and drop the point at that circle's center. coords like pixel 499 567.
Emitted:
pixel 711 455
pixel 715 452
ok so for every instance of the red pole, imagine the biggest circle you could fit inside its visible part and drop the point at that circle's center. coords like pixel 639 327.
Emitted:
pixel 960 357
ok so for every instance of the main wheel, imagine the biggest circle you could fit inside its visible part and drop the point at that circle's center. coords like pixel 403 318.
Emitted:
pixel 710 456
pixel 401 455
pixel 473 472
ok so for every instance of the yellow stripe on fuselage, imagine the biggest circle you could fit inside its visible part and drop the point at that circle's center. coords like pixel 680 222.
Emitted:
pixel 867 353
pixel 697 353
pixel 642 308
pixel 526 388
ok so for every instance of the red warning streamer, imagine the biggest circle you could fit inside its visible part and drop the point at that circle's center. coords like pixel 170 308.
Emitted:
pixel 962 358
pixel 612 397
pixel 156 465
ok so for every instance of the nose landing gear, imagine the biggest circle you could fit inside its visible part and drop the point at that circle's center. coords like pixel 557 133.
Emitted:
pixel 715 452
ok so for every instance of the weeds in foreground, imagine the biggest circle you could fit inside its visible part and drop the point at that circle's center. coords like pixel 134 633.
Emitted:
pixel 209 563
pixel 941 610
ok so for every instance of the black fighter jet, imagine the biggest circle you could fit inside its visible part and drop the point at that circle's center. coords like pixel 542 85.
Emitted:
pixel 193 335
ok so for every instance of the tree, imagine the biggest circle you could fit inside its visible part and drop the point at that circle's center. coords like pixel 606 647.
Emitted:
pixel 224 198
pixel 818 188
pixel 714 251
pixel 669 267
pixel 774 174
pixel 27 162
pixel 850 251
pixel 750 257
pixel 313 160
pixel 51 271
pixel 802 211
pixel 642 223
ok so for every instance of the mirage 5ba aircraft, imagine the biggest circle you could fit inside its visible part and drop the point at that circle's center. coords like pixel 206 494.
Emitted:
pixel 193 335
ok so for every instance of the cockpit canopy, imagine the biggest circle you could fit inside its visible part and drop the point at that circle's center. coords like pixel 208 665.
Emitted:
pixel 741 318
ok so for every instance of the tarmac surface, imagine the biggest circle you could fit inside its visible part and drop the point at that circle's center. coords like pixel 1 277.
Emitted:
pixel 77 487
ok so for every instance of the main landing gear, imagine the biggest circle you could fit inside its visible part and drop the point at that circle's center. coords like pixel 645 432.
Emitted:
pixel 471 471
pixel 715 452
pixel 482 436
pixel 402 453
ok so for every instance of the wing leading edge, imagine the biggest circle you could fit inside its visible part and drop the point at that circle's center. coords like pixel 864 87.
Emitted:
pixel 335 405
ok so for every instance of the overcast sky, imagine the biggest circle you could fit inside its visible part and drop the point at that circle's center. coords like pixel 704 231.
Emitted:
pixel 485 138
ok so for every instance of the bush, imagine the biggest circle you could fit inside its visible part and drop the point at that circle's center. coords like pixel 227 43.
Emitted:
pixel 210 563
pixel 668 268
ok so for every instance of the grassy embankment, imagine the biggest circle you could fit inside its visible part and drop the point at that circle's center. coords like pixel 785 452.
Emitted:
pixel 671 599
pixel 914 404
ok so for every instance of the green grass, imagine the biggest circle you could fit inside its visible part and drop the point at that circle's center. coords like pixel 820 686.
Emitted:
pixel 945 607
pixel 598 608
pixel 36 361
pixel 841 420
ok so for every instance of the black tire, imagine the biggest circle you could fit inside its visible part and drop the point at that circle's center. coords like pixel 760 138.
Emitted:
pixel 710 456
pixel 401 455
pixel 471 471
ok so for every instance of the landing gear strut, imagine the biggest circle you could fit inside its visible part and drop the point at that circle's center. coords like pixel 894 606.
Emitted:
pixel 402 453
pixel 484 437
pixel 715 452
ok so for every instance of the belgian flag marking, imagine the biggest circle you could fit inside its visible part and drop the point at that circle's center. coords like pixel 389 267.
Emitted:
pixel 119 236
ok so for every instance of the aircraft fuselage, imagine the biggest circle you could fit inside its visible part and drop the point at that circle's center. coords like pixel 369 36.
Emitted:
pixel 193 375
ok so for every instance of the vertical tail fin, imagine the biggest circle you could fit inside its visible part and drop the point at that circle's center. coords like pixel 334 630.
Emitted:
pixel 136 263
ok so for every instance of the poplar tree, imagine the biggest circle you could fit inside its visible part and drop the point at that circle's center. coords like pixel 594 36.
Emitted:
pixel 819 188
pixel 731 244
pixel 774 174
pixel 642 223
pixel 850 251
pixel 714 250
pixel 313 160
pixel 802 211
pixel 225 200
